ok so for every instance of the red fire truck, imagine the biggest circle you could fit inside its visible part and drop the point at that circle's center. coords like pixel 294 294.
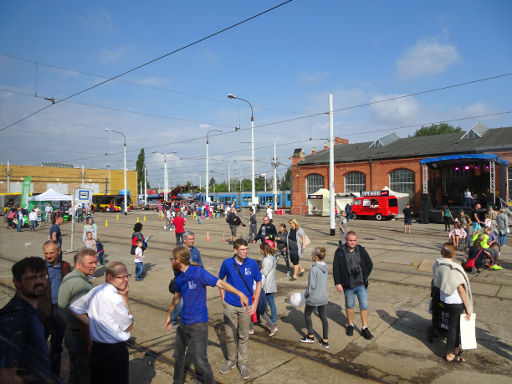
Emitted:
pixel 378 204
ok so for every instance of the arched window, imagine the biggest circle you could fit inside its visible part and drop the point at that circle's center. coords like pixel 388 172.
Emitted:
pixel 314 182
pixel 402 180
pixel 355 182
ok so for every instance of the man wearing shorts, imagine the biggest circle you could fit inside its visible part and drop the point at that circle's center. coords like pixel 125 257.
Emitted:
pixel 352 266
pixel 234 221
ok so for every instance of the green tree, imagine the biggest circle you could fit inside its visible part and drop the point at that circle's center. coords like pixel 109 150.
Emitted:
pixel 437 129
pixel 284 183
pixel 139 167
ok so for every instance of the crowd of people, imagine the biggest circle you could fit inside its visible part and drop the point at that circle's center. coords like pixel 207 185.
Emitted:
pixel 58 303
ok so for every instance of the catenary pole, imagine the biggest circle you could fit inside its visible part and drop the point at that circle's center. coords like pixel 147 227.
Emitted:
pixel 331 166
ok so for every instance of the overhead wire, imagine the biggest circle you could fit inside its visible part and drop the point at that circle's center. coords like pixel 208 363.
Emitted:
pixel 148 63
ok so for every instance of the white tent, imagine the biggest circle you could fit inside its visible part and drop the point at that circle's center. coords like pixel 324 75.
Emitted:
pixel 51 195
pixel 318 202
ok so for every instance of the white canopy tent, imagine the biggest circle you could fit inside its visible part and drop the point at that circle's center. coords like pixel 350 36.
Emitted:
pixel 51 195
pixel 318 202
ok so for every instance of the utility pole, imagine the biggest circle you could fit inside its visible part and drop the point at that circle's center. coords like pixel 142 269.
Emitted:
pixel 331 165
pixel 145 186
pixel 274 164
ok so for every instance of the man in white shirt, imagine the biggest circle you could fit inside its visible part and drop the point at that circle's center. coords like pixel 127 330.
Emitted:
pixel 48 213
pixel 105 308
pixel 268 213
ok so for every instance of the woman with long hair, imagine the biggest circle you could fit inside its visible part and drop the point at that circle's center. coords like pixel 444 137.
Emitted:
pixel 296 243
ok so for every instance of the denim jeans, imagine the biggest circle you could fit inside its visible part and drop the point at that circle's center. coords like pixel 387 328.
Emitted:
pixel 502 239
pixel 139 270
pixel 362 297
pixel 179 238
pixel 192 337
pixel 33 225
pixel 272 305
pixel 20 224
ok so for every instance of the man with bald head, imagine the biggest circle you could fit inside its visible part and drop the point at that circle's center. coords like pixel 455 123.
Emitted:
pixel 48 306
pixel 106 311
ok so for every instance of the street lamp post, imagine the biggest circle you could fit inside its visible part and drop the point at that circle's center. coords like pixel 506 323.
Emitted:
pixel 207 199
pixel 166 175
pixel 253 186
pixel 124 168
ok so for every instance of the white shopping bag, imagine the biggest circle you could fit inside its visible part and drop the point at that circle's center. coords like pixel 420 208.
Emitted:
pixel 467 332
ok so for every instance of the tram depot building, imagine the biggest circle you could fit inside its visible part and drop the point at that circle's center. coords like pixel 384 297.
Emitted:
pixel 433 170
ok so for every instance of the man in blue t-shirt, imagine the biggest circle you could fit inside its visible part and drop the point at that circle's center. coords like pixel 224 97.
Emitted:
pixel 241 272
pixel 191 285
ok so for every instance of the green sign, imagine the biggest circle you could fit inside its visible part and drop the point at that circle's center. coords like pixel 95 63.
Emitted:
pixel 25 190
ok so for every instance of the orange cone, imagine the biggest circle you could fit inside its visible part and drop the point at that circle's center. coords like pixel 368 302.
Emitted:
pixel 223 238
pixel 207 236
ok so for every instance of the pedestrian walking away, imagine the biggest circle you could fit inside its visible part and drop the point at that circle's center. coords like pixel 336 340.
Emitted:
pixel 192 333
pixel 351 268
pixel 106 311
pixel 240 272
pixel 316 297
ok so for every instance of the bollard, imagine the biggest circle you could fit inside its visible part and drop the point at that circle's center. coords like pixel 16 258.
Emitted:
pixel 106 223
pixel 207 236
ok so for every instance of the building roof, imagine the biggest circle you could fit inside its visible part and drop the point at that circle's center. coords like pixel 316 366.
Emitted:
pixel 498 139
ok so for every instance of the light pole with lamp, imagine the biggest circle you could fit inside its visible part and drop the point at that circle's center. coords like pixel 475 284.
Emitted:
pixel 207 198
pixel 253 186
pixel 124 168
pixel 166 176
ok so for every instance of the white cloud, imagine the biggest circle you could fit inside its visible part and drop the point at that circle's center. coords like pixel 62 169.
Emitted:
pixel 426 57
pixel 394 111
pixel 97 18
pixel 108 56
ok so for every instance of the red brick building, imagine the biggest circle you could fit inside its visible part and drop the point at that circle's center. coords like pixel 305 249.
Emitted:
pixel 439 167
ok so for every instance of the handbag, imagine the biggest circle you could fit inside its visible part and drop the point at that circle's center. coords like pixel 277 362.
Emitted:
pixel 470 263
pixel 308 240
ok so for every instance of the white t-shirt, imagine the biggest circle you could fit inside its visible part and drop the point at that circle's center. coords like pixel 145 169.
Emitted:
pixel 454 298
pixel 138 255
pixel 269 213
pixel 48 209
pixel 109 318
pixel 32 216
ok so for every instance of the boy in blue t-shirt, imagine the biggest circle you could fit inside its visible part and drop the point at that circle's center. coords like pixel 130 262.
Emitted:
pixel 191 284
pixel 241 272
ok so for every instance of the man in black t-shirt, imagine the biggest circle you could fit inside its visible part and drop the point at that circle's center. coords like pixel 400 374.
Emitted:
pixel 407 218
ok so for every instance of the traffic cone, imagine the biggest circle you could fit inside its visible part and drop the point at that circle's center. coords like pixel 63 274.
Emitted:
pixel 223 238
pixel 117 217
pixel 138 221
pixel 207 236
pixel 106 223
pixel 144 217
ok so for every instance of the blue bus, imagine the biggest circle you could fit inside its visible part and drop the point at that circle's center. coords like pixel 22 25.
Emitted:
pixel 243 199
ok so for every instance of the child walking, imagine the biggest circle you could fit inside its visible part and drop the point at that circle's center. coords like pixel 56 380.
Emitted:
pixel 261 310
pixel 316 296
pixel 139 265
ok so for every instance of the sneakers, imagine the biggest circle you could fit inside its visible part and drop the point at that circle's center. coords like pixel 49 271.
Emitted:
pixel 288 274
pixel 496 267
pixel 350 330
pixel 366 334
pixel 324 344
pixel 244 372
pixel 251 331
pixel 273 331
pixel 228 366
pixel 307 339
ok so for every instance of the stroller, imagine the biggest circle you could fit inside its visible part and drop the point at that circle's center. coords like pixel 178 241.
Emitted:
pixel 440 318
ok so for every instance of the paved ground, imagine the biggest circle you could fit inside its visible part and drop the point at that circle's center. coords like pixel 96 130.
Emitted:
pixel 399 294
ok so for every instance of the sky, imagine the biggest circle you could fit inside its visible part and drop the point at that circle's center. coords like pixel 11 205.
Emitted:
pixel 285 63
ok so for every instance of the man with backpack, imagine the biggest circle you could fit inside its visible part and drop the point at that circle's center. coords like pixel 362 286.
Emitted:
pixel 234 221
